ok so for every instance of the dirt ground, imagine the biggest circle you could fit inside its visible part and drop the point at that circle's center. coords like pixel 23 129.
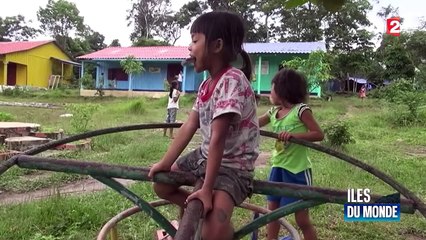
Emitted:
pixel 75 188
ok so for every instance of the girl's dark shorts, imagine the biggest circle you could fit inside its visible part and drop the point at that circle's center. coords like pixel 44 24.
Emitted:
pixel 237 183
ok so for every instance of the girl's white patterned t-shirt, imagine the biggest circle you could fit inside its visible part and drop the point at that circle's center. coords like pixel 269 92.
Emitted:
pixel 232 94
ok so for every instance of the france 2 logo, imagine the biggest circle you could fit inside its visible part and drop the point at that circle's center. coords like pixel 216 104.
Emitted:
pixel 393 26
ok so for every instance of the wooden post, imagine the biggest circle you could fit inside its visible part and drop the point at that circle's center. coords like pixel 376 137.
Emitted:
pixel 5 72
pixel 62 70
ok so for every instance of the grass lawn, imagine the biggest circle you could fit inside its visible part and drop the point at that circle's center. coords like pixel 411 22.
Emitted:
pixel 397 150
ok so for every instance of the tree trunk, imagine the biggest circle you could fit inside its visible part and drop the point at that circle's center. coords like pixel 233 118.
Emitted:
pixel 267 29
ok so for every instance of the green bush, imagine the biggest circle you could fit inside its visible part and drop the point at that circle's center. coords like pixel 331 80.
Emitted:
pixel 337 134
pixel 396 90
pixel 187 100
pixel 137 106
pixel 82 115
pixel 16 92
pixel 6 117
pixel 405 99
pixel 55 93
pixel 402 116
pixel 87 81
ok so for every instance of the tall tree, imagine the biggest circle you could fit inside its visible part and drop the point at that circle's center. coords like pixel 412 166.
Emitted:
pixel 258 15
pixel 396 58
pixel 385 13
pixel 115 43
pixel 416 46
pixel 303 23
pixel 152 18
pixel 15 28
pixel 140 42
pixel 60 18
pixel 256 32
pixel 93 38
pixel 345 29
pixel 270 15
pixel 188 11
pixel 77 46
pixel 422 23
pixel 342 30
pixel 388 11
pixel 173 32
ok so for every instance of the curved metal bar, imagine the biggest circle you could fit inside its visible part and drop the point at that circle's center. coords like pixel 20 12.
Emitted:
pixel 275 215
pixel 293 232
pixel 103 233
pixel 11 161
pixel 125 214
pixel 374 171
pixel 145 206
pixel 181 178
pixel 135 209
pixel 379 174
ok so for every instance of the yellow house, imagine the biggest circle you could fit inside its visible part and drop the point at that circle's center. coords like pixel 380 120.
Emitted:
pixel 33 63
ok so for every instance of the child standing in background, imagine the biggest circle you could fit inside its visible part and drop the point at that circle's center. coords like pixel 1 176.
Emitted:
pixel 290 117
pixel 172 107
pixel 225 113
pixel 362 92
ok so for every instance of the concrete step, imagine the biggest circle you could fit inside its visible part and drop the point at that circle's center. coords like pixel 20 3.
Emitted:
pixel 24 143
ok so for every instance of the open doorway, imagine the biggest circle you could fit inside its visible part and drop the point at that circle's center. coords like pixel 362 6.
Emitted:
pixel 11 74
pixel 173 69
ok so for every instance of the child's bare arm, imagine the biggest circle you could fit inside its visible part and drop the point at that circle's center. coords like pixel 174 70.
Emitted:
pixel 315 133
pixel 185 134
pixel 219 131
pixel 264 120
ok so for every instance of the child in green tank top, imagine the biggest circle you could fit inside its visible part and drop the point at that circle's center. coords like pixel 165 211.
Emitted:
pixel 290 117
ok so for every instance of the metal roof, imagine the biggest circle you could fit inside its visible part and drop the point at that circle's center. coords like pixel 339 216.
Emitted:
pixel 143 53
pixel 11 47
pixel 284 47
pixel 66 61
pixel 178 52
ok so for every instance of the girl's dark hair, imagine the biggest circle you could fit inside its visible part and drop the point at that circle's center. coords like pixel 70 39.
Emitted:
pixel 230 28
pixel 291 86
pixel 173 86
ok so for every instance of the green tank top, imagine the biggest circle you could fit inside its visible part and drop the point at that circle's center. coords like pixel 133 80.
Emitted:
pixel 290 156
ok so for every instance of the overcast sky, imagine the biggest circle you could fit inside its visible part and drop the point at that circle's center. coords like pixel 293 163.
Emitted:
pixel 109 16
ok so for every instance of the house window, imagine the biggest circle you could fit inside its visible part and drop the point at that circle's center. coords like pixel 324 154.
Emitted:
pixel 264 68
pixel 117 74
pixel 154 69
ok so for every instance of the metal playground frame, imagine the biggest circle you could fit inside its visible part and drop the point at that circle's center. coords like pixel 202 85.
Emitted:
pixel 312 196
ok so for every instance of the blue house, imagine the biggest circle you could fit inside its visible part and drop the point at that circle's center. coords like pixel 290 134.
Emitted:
pixel 163 63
